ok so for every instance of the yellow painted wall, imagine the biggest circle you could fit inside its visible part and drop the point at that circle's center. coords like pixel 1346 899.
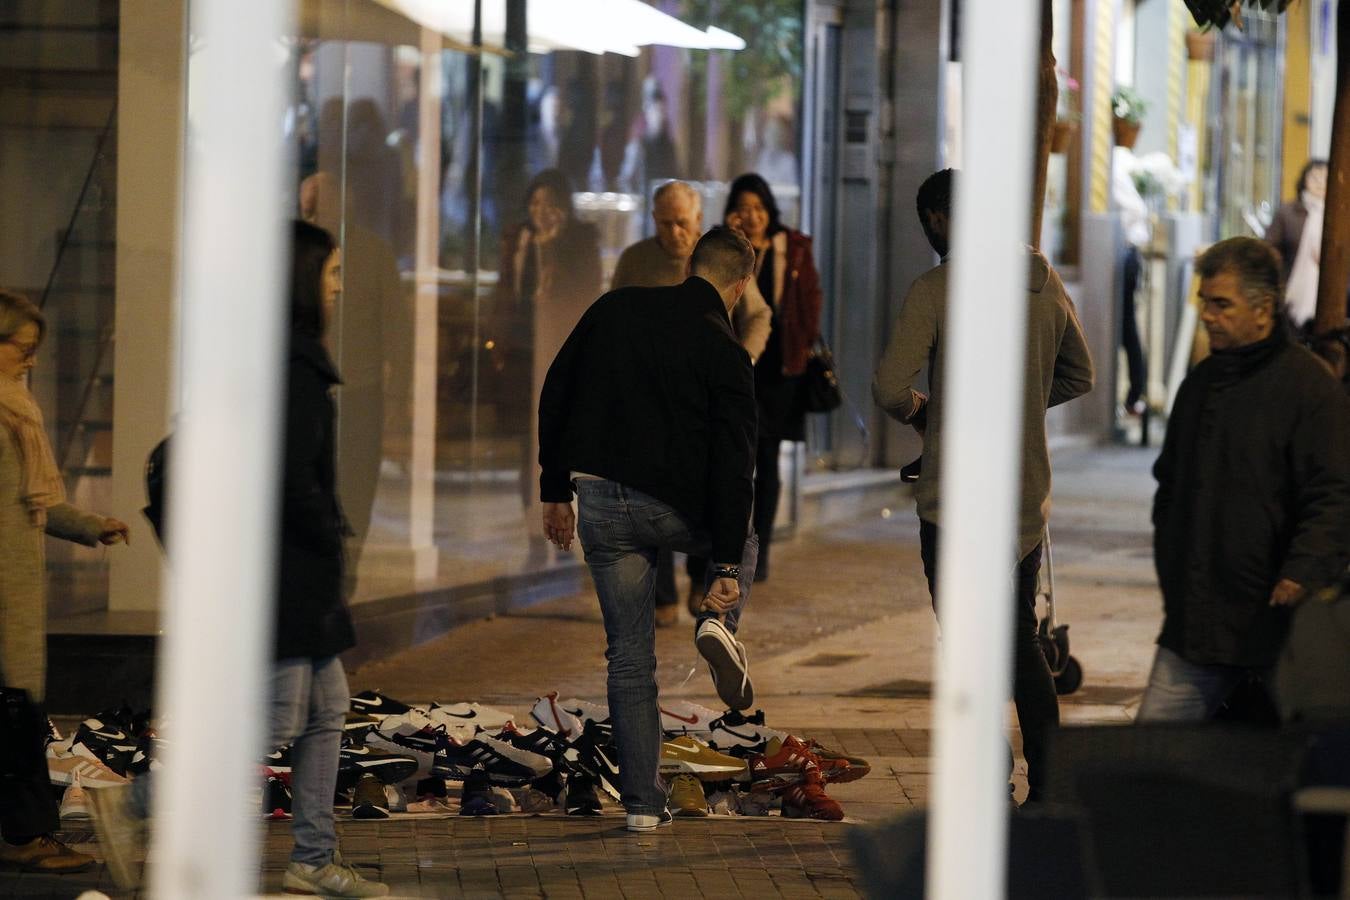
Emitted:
pixel 1297 95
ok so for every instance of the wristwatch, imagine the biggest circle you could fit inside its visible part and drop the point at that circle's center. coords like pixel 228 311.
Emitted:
pixel 727 572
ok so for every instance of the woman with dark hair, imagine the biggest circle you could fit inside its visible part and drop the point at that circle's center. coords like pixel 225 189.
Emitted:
pixel 550 274
pixel 1296 232
pixel 785 273
pixel 309 689
pixel 32 506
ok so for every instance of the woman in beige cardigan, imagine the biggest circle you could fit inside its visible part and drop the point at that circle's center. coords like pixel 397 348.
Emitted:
pixel 32 501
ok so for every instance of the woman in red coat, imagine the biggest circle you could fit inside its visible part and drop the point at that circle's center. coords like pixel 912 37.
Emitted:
pixel 786 276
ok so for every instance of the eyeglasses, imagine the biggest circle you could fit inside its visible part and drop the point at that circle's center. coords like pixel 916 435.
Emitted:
pixel 26 351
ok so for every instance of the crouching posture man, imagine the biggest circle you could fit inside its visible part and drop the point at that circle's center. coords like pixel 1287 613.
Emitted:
pixel 648 414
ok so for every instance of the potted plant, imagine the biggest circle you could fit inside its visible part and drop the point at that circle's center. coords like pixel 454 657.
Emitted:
pixel 1067 116
pixel 1128 109
pixel 1200 44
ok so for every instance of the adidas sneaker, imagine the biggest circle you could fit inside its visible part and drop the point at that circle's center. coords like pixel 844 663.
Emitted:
pixel 63 768
pixel 500 761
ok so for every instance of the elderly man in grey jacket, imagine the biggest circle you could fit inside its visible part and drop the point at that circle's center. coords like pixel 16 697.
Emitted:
pixel 1058 368
pixel 663 261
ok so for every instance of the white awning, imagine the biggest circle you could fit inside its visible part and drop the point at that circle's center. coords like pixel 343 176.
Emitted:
pixel 595 26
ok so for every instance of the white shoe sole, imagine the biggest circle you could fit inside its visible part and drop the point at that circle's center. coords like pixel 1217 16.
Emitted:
pixel 727 663
pixel 642 823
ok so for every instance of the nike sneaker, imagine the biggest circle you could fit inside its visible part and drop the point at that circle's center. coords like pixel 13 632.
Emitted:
pixel 595 755
pixel 469 715
pixel 357 725
pixel 687 797
pixel 585 710
pixel 548 714
pixel 408 734
pixel 502 763
pixel 807 798
pixel 373 703
pixel 739 734
pixel 581 797
pixel 389 768
pixel 685 755
pixel 727 663
pixel 279 761
pixel 91 744
pixel 682 717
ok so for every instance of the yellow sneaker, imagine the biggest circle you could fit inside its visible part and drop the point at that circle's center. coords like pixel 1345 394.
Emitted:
pixel 687 756
pixel 687 797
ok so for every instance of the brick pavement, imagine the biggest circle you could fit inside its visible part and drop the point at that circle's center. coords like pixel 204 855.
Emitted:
pixel 841 643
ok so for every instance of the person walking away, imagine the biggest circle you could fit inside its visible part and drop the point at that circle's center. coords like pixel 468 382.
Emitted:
pixel 1252 512
pixel 1058 368
pixel 648 416
pixel 32 505
pixel 663 261
pixel 310 697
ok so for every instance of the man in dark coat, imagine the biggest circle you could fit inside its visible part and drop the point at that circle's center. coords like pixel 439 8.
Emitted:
pixel 648 414
pixel 1252 513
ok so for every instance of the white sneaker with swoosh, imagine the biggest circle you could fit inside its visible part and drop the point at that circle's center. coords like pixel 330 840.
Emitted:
pixel 727 662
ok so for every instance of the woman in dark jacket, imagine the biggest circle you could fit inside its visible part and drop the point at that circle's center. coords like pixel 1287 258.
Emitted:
pixel 786 276
pixel 550 275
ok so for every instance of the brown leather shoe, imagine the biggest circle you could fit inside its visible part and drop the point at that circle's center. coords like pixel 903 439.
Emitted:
pixel 667 616
pixel 43 854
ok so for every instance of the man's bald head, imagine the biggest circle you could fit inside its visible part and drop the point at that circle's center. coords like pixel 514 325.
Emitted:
pixel 677 210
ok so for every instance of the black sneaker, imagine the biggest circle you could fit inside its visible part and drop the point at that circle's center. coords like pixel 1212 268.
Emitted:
pixel 581 798
pixel 110 746
pixel 476 798
pixel 373 703
pixel 368 800
pixel 276 799
pixel 389 768
pixel 502 763
pixel 594 753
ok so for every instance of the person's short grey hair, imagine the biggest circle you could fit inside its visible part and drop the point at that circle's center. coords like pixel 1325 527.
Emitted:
pixel 1256 266
pixel 16 311
pixel 683 189
pixel 723 256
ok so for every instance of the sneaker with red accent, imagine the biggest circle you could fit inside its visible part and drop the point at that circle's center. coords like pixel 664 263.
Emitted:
pixel 785 761
pixel 857 766
pixel 807 798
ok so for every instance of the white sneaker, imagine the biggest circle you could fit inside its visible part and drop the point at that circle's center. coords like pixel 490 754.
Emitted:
pixel 640 822
pixel 727 662
pixel 470 716
pixel 585 710
pixel 550 715
pixel 337 879
pixel 73 802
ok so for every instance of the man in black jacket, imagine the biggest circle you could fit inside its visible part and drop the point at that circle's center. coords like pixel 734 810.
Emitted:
pixel 1252 512
pixel 648 414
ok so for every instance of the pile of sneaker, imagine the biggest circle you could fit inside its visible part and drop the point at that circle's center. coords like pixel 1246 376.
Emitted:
pixel 105 750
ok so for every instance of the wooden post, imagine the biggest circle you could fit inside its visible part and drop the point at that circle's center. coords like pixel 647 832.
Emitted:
pixel 1331 288
pixel 1047 102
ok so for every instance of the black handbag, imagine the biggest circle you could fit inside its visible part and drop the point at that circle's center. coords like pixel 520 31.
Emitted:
pixel 820 385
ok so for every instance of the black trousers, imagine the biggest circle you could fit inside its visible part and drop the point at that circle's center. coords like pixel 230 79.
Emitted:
pixel 1129 328
pixel 28 806
pixel 1033 685
pixel 768 485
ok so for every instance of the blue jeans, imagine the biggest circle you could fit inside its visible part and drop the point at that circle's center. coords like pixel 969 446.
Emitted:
pixel 309 704
pixel 1182 691
pixel 621 531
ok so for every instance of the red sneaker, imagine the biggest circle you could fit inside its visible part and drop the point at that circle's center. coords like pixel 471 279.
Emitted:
pixel 784 761
pixel 807 799
pixel 856 767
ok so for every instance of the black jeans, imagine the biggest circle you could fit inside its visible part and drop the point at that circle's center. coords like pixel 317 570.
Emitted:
pixel 28 806
pixel 1033 685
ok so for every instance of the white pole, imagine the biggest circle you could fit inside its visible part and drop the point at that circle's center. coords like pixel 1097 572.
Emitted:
pixel 223 480
pixel 981 463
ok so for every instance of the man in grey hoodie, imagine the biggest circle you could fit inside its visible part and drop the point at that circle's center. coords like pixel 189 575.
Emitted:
pixel 1058 368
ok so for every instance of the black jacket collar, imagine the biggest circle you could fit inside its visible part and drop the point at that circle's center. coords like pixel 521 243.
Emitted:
pixel 311 351
pixel 703 292
pixel 1235 364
